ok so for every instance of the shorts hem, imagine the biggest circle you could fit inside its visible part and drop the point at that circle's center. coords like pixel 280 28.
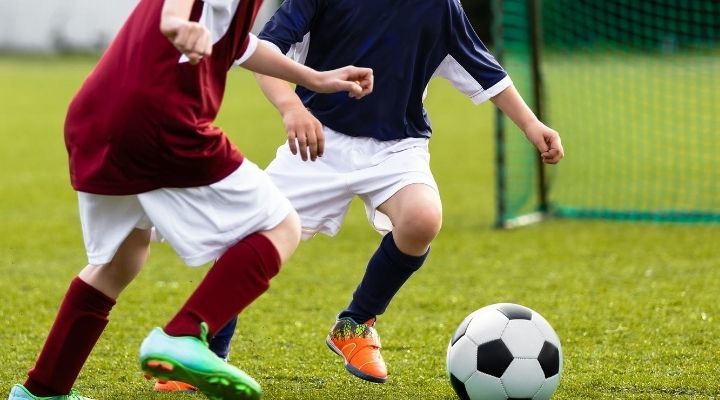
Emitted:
pixel 208 256
pixel 99 260
pixel 387 194
pixel 325 226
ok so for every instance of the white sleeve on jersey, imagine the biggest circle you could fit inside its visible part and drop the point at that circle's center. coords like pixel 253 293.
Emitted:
pixel 451 70
pixel 216 16
pixel 298 52
pixel 250 50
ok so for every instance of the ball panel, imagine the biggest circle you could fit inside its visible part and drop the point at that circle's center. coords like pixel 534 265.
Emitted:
pixel 493 358
pixel 546 329
pixel 514 311
pixel 459 388
pixel 523 338
pixel 549 359
pixel 523 378
pixel 461 358
pixel 487 324
pixel 548 388
pixel 460 331
pixel 484 387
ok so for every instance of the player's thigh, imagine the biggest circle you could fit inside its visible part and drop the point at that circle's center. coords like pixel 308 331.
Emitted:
pixel 285 236
pixel 112 278
pixel 201 223
pixel 317 190
pixel 401 189
pixel 107 222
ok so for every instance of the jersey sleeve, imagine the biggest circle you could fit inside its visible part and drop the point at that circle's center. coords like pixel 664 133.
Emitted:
pixel 249 47
pixel 290 23
pixel 470 67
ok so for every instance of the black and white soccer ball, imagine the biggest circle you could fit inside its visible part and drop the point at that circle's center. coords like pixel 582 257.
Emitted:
pixel 504 351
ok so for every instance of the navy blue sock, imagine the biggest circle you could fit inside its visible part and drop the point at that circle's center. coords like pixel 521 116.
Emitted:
pixel 388 269
pixel 220 343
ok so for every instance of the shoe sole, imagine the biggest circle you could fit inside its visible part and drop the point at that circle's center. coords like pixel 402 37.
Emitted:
pixel 174 389
pixel 216 386
pixel 350 368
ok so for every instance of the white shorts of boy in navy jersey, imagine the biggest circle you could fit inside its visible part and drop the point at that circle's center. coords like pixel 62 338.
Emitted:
pixel 321 190
pixel 200 223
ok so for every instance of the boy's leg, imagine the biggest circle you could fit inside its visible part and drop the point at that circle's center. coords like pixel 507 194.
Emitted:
pixel 203 224
pixel 83 316
pixel 416 215
pixel 220 343
pixel 236 279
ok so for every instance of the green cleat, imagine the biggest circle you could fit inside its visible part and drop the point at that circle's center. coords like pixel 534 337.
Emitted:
pixel 188 359
pixel 18 392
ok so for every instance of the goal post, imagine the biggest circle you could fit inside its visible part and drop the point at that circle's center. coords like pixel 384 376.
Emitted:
pixel 634 89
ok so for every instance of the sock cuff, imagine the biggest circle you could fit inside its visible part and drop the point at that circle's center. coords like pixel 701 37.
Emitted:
pixel 84 295
pixel 399 258
pixel 266 251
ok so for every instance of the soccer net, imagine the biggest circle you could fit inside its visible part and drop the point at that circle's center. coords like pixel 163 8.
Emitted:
pixel 634 89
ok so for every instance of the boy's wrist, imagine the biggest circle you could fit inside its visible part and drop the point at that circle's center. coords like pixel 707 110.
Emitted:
pixel 313 79
pixel 289 106
pixel 529 124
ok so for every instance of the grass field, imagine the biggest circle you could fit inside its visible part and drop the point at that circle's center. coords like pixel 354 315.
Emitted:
pixel 635 305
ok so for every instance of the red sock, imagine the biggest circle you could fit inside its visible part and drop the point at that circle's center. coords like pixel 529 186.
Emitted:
pixel 80 321
pixel 236 279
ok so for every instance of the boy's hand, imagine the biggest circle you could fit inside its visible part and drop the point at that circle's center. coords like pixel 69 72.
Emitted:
pixel 547 141
pixel 304 132
pixel 190 38
pixel 358 82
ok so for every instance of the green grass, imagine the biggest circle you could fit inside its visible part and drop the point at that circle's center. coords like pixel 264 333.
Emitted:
pixel 635 305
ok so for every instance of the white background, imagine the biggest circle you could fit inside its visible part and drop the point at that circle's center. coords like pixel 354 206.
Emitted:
pixel 62 25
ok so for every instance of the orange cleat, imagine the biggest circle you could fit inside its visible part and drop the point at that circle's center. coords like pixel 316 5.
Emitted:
pixel 174 386
pixel 359 346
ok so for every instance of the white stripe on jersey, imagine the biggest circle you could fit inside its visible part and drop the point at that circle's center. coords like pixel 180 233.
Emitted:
pixel 461 79
pixel 299 51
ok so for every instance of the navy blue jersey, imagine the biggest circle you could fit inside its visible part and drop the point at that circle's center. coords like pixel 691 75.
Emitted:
pixel 405 42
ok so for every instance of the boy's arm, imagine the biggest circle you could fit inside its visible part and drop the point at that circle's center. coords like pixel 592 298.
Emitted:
pixel 358 82
pixel 190 38
pixel 304 131
pixel 545 139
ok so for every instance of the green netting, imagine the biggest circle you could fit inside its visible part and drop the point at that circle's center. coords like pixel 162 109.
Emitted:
pixel 634 89
pixel 517 174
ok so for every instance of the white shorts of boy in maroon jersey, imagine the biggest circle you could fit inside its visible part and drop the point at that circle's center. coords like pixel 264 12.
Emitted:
pixel 213 219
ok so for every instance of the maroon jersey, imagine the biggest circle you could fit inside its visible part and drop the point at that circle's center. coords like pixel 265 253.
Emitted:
pixel 143 118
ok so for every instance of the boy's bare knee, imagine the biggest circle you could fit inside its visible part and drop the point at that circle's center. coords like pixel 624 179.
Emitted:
pixel 422 224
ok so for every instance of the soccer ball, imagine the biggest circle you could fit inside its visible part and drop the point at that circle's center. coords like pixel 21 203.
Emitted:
pixel 504 351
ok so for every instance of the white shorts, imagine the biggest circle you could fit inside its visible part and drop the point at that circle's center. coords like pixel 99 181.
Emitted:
pixel 200 223
pixel 321 191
